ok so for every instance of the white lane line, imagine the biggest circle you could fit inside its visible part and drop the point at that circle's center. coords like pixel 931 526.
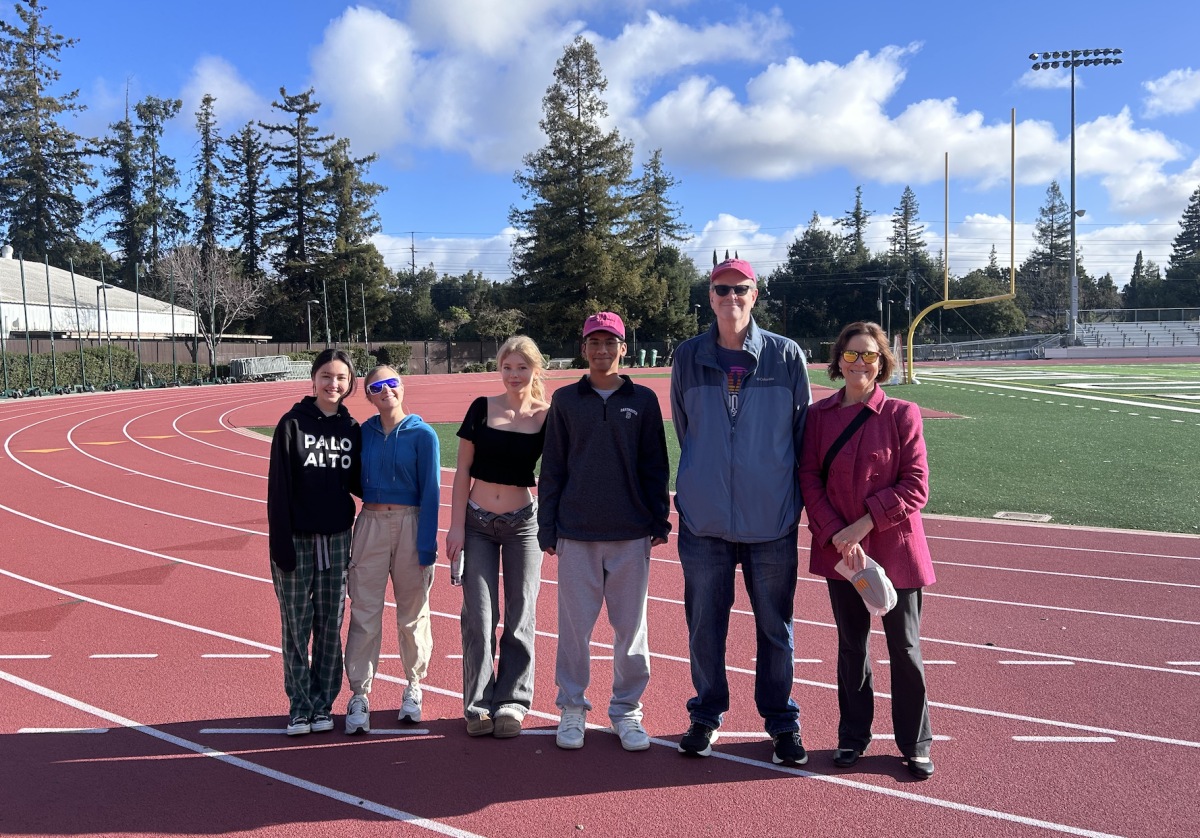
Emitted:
pixel 887 662
pixel 1038 663
pixel 458 833
pixel 63 730
pixel 972 710
pixel 1070 610
pixel 23 657
pixel 797 660
pixel 131 655
pixel 1108 399
pixel 1171 663
pixel 539 732
pixel 1063 739
pixel 238 762
pixel 239 657
pixel 229 731
pixel 1071 575
pixel 936 737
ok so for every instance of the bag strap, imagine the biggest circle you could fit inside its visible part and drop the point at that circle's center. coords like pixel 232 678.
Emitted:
pixel 857 422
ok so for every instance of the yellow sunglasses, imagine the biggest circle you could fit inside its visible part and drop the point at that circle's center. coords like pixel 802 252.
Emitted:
pixel 850 356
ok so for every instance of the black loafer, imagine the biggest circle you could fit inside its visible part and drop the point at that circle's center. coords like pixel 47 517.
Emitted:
pixel 920 770
pixel 846 757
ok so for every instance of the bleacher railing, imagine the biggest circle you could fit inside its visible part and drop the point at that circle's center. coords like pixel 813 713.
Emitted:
pixel 1137 315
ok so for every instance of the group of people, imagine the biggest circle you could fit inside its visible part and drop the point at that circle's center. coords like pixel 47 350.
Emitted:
pixel 754 452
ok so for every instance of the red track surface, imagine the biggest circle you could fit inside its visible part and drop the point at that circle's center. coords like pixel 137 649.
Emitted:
pixel 155 545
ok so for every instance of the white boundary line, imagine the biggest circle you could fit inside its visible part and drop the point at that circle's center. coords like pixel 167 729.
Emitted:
pixel 1071 394
pixel 238 762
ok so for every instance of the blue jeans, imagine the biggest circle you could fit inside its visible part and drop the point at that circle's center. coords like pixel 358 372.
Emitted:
pixel 769 572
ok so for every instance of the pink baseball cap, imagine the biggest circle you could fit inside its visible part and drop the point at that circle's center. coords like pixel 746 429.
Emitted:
pixel 605 321
pixel 738 266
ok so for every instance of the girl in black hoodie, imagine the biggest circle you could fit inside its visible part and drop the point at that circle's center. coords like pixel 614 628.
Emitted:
pixel 315 465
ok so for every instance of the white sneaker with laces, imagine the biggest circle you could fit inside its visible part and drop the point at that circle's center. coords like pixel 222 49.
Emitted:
pixel 410 709
pixel 571 729
pixel 633 735
pixel 358 715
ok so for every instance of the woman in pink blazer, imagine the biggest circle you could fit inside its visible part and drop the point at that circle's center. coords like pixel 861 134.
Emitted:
pixel 869 504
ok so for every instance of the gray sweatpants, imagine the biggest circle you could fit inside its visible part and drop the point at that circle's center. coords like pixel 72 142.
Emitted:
pixel 615 574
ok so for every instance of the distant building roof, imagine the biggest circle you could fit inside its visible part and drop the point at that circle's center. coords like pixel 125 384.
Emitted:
pixel 119 299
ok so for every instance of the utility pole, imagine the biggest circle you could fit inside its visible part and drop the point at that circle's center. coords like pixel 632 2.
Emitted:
pixel 412 247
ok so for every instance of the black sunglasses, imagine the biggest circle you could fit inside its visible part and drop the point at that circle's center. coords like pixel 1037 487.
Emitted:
pixel 723 290
pixel 376 387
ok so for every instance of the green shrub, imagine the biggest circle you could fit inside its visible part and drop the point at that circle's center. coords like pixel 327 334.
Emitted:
pixel 164 371
pixel 395 355
pixel 66 365
pixel 475 368
pixel 358 354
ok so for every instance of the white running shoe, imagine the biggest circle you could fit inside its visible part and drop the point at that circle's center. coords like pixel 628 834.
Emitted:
pixel 410 710
pixel 358 715
pixel 633 735
pixel 299 725
pixel 571 729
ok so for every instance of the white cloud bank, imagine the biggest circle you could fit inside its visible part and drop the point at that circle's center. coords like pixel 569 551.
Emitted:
pixel 237 102
pixel 1176 92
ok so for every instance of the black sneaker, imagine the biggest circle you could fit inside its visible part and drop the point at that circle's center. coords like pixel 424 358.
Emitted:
pixel 698 740
pixel 321 723
pixel 299 725
pixel 789 750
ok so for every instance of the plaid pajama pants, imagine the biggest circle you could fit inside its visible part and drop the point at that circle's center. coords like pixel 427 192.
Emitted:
pixel 311 601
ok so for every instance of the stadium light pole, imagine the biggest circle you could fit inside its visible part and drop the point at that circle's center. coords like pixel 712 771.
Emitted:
pixel 1052 61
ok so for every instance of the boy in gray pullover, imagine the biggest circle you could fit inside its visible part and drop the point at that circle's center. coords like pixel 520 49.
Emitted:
pixel 602 504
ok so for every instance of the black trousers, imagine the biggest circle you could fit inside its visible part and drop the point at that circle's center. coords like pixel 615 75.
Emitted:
pixel 856 693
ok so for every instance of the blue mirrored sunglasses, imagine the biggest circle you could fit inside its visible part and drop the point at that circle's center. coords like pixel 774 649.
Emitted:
pixel 376 387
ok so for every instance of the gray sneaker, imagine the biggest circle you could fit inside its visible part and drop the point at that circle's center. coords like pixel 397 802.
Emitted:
pixel 358 715
pixel 410 709
pixel 633 735
pixel 571 728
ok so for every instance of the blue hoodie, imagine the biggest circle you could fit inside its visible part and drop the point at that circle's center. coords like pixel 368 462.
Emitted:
pixel 738 476
pixel 405 467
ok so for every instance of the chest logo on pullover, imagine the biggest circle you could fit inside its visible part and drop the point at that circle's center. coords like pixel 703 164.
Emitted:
pixel 629 412
pixel 327 452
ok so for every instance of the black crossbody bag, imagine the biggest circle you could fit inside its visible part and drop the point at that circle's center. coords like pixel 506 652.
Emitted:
pixel 857 422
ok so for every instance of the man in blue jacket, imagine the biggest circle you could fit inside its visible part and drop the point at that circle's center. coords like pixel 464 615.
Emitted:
pixel 739 396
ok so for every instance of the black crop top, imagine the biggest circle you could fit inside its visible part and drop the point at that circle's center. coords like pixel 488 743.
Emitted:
pixel 504 457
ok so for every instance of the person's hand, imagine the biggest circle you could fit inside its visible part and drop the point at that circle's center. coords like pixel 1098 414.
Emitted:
pixel 855 558
pixel 455 539
pixel 549 551
pixel 657 542
pixel 849 537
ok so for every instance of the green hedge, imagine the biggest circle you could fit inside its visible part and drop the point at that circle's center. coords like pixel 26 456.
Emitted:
pixel 124 369
pixel 395 355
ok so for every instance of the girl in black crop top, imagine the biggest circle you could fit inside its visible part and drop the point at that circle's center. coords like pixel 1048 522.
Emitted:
pixel 493 520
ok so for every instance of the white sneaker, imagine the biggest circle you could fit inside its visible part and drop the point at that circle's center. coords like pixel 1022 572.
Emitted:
pixel 410 710
pixel 633 735
pixel 358 715
pixel 299 725
pixel 571 729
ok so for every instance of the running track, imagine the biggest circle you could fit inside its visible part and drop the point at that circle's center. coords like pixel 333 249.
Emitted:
pixel 134 524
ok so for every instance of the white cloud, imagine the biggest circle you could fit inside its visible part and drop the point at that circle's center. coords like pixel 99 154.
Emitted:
pixel 237 102
pixel 488 255
pixel 1176 92
pixel 1048 80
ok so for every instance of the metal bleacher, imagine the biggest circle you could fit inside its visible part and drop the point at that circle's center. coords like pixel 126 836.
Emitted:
pixel 1154 333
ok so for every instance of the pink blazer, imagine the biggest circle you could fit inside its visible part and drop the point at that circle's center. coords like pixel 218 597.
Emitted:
pixel 883 471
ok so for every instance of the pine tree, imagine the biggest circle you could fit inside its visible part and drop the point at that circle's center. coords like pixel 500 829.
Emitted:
pixel 354 260
pixel 207 201
pixel 906 229
pixel 1137 281
pixel 855 224
pixel 1185 249
pixel 245 170
pixel 42 164
pixel 164 218
pixel 118 204
pixel 298 223
pixel 572 256
pixel 1044 279
pixel 658 221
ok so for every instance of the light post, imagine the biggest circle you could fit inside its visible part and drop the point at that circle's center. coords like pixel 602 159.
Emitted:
pixel 1052 61
pixel 104 286
pixel 308 304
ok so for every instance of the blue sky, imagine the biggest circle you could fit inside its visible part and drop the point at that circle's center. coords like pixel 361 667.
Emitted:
pixel 766 112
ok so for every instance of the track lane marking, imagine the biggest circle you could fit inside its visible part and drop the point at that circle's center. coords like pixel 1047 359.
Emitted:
pixel 238 762
pixel 254 643
pixel 1063 739
pixel 122 655
pixel 63 730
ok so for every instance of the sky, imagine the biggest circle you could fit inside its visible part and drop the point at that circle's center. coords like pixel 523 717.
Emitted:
pixel 766 113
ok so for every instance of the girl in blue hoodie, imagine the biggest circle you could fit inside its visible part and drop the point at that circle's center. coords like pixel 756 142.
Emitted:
pixel 395 535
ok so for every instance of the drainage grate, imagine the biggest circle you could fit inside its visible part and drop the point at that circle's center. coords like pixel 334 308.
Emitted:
pixel 1022 516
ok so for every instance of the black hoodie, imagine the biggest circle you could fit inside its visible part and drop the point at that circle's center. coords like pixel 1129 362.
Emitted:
pixel 316 462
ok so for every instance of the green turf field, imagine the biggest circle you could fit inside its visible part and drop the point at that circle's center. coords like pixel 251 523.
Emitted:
pixel 1100 445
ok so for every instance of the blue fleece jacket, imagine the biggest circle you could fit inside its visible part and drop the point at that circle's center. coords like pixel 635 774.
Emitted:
pixel 405 467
